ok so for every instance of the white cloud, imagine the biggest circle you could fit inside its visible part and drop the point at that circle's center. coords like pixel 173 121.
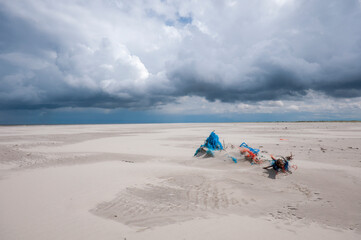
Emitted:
pixel 22 60
pixel 235 55
pixel 315 104
pixel 293 107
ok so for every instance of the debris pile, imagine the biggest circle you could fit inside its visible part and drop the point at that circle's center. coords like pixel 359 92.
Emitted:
pixel 280 164
pixel 212 144
pixel 250 153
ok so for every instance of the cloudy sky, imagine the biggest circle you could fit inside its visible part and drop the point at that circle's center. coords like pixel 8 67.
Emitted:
pixel 109 61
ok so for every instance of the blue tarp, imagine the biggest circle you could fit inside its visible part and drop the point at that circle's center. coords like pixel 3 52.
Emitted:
pixel 212 143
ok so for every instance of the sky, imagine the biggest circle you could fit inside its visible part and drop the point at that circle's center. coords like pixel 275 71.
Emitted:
pixel 144 61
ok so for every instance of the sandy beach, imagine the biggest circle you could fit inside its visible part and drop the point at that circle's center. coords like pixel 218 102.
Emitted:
pixel 141 181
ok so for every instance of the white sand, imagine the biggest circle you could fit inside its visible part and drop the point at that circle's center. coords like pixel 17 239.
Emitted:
pixel 141 182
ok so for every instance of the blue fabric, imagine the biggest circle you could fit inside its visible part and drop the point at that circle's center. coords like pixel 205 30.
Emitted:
pixel 212 143
pixel 254 150
pixel 198 150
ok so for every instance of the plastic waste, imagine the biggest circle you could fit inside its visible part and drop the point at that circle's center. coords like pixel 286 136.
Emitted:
pixel 253 150
pixel 212 143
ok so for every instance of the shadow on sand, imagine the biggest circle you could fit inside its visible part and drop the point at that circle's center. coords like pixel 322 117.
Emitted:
pixel 271 173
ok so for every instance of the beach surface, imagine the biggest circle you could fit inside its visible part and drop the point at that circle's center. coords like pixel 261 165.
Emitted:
pixel 141 181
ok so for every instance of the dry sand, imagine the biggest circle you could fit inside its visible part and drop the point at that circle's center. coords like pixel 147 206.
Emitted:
pixel 142 182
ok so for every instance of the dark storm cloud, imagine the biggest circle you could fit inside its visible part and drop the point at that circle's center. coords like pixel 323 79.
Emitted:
pixel 272 83
pixel 308 46
pixel 140 54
